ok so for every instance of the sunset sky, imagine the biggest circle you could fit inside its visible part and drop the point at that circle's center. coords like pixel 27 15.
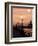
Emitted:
pixel 21 13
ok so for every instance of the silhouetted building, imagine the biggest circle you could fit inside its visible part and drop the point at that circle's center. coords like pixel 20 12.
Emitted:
pixel 18 30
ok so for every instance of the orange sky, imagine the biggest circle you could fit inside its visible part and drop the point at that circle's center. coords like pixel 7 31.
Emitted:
pixel 21 13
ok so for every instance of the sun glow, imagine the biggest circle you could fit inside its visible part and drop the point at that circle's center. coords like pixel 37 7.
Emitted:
pixel 18 17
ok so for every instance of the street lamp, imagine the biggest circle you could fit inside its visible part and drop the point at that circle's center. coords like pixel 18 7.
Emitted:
pixel 21 20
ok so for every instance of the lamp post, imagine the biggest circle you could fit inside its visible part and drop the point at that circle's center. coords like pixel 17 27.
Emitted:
pixel 22 31
pixel 22 21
